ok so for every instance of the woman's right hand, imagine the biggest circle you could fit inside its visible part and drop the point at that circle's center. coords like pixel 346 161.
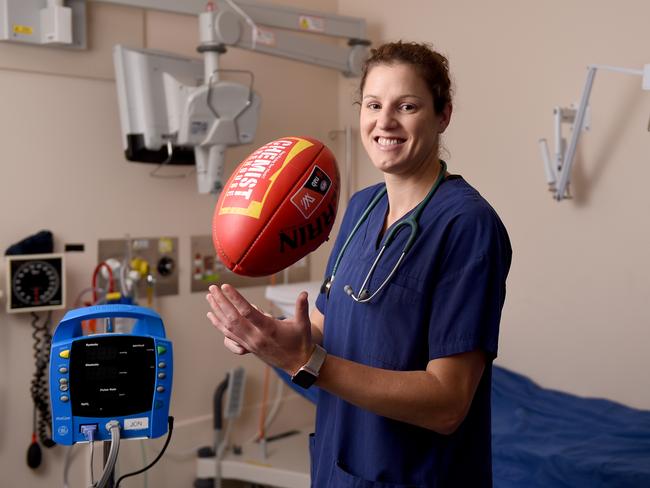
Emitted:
pixel 286 344
pixel 235 347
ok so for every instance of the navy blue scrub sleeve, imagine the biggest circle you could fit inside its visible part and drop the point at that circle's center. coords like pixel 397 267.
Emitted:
pixel 468 298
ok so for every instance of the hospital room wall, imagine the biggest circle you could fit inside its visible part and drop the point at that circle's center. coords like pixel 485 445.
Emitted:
pixel 63 169
pixel 576 315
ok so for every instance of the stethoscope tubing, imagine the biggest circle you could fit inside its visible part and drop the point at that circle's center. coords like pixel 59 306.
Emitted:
pixel 364 295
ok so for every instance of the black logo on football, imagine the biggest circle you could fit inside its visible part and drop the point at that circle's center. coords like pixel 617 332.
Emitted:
pixel 318 181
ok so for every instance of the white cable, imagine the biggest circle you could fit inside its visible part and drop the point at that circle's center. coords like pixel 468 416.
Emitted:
pixel 92 451
pixel 277 402
pixel 249 21
pixel 116 470
pixel 123 286
pixel 89 469
pixel 126 264
pixel 114 427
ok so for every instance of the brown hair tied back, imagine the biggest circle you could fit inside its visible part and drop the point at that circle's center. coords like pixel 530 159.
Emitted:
pixel 432 66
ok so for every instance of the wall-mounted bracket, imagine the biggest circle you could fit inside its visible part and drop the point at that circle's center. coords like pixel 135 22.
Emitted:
pixel 558 169
pixel 562 116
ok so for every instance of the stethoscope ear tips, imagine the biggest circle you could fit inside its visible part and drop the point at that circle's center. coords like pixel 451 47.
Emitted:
pixel 363 297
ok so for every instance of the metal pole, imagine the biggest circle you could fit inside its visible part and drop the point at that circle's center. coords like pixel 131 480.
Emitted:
pixel 577 129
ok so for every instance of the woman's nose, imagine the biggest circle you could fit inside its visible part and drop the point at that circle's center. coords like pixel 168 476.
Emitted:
pixel 386 119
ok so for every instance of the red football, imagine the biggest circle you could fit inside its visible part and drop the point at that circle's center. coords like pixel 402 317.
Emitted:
pixel 278 206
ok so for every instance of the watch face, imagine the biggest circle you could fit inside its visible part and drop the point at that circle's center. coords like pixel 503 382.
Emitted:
pixel 304 378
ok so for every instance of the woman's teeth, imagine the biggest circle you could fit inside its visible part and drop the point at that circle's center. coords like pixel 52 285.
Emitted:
pixel 384 141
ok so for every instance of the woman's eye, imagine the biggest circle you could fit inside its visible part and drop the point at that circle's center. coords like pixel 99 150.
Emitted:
pixel 373 106
pixel 408 107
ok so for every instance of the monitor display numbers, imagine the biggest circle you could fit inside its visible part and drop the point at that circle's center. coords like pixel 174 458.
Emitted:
pixel 99 373
pixel 94 352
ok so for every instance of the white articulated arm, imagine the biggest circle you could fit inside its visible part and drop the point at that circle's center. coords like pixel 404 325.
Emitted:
pixel 558 170
pixel 267 29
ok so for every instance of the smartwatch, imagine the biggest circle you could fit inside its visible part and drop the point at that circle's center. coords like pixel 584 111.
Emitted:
pixel 308 374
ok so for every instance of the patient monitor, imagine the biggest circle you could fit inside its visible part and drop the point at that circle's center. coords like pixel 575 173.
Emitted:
pixel 180 110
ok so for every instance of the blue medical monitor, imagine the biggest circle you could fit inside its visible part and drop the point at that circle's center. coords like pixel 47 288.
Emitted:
pixel 110 376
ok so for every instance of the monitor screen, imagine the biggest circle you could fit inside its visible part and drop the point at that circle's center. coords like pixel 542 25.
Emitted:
pixel 112 376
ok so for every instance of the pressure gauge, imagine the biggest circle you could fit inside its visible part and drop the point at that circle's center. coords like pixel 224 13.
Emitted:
pixel 35 282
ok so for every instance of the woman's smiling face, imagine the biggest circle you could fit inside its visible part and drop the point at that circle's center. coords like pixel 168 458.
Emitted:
pixel 399 127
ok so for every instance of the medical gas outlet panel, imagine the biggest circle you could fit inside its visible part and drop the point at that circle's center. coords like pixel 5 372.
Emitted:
pixel 149 262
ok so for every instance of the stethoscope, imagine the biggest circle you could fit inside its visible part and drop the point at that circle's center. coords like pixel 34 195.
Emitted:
pixel 411 221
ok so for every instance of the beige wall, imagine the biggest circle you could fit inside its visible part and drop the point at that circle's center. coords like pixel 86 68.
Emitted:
pixel 576 316
pixel 63 169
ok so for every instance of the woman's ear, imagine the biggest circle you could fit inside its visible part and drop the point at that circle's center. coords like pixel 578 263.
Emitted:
pixel 445 118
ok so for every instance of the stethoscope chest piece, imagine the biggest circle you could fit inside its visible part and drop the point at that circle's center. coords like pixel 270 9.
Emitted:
pixel 327 286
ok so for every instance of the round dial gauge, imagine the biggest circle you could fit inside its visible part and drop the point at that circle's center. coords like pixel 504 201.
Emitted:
pixel 36 283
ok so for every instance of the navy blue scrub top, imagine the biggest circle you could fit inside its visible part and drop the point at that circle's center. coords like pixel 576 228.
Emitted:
pixel 445 299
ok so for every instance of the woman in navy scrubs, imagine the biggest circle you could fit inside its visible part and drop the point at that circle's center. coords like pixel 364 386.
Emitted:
pixel 405 376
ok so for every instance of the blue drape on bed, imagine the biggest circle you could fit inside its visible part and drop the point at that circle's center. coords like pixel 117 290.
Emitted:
pixel 546 438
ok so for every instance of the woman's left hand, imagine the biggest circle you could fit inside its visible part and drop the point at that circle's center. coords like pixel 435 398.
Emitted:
pixel 285 344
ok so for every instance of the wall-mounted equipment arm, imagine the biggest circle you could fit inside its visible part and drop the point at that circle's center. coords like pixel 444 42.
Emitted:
pixel 169 118
pixel 558 170
pixel 268 29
